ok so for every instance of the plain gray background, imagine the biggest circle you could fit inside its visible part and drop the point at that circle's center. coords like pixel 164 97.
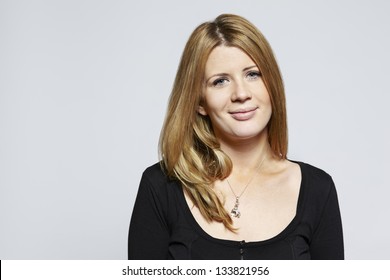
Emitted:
pixel 83 91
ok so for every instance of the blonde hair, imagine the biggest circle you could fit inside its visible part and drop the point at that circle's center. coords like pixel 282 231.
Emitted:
pixel 188 147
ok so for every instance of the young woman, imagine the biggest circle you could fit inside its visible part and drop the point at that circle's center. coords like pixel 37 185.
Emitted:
pixel 224 188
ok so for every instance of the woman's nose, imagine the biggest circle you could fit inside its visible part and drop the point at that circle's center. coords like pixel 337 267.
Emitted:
pixel 240 92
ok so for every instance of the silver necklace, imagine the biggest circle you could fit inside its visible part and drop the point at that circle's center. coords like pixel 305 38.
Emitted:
pixel 235 213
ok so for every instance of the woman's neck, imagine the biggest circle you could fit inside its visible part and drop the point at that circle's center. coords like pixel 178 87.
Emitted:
pixel 247 154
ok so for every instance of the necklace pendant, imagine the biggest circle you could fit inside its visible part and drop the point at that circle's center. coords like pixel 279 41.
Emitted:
pixel 235 213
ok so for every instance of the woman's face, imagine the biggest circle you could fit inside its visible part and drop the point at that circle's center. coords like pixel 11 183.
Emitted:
pixel 234 96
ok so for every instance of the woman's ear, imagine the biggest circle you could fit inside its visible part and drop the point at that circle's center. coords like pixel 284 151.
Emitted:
pixel 202 111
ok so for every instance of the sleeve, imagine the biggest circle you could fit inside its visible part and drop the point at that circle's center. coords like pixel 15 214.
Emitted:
pixel 327 242
pixel 148 234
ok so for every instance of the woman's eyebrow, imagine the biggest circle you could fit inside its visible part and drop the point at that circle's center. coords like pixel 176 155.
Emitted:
pixel 249 67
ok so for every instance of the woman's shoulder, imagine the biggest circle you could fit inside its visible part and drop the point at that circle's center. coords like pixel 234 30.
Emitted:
pixel 154 170
pixel 316 180
pixel 155 177
pixel 313 171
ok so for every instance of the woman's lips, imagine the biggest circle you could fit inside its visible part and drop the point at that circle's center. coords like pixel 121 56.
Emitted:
pixel 243 114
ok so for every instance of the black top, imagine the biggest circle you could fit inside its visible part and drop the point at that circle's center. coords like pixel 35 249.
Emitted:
pixel 163 227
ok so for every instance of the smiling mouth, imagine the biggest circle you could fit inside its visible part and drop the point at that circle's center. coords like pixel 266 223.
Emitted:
pixel 243 114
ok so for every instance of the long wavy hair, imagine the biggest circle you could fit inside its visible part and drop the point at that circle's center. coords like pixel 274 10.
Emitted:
pixel 189 150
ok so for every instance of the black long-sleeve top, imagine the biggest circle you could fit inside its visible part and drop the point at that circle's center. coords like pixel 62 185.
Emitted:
pixel 162 225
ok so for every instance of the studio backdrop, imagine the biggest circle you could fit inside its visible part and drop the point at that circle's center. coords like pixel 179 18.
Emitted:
pixel 84 87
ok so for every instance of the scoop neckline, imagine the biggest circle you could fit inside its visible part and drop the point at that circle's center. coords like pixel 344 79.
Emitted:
pixel 290 226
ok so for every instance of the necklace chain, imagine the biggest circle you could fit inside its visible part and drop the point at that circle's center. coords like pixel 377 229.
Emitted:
pixel 235 212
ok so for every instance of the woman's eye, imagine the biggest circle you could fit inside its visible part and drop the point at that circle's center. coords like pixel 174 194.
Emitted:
pixel 220 82
pixel 253 75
